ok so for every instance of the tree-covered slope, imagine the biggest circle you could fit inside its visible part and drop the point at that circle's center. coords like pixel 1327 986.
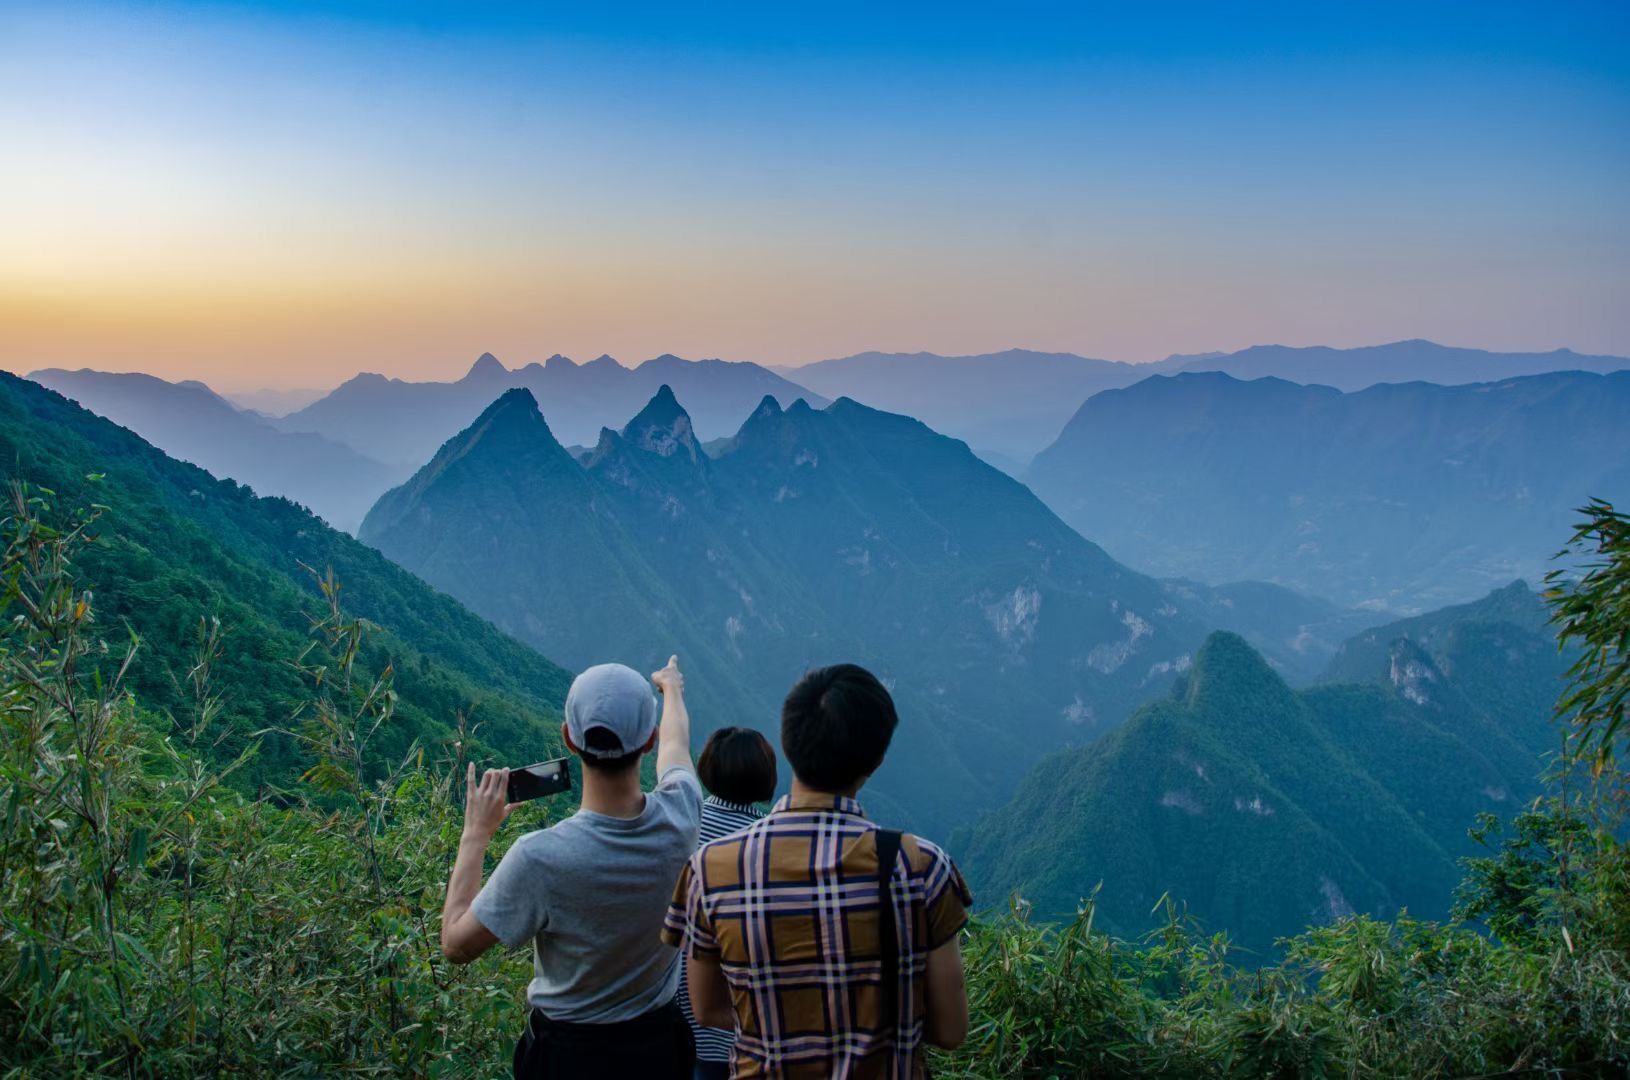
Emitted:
pixel 1498 653
pixel 1406 496
pixel 177 545
pixel 1265 809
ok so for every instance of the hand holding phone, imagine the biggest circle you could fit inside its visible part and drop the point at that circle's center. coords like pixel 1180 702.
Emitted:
pixel 536 781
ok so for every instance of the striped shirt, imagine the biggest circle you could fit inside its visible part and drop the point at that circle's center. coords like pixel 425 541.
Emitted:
pixel 719 819
pixel 789 908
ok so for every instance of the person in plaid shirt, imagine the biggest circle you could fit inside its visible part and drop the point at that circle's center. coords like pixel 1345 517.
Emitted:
pixel 782 926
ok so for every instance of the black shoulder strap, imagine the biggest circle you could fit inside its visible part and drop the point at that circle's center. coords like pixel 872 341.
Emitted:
pixel 888 852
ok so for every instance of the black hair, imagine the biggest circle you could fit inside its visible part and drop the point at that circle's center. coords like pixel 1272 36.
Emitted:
pixel 738 765
pixel 600 737
pixel 836 725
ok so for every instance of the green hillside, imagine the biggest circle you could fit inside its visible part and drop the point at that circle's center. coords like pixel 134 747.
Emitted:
pixel 1265 809
pixel 177 546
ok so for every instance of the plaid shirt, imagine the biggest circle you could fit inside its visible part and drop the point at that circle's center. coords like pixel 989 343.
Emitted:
pixel 789 909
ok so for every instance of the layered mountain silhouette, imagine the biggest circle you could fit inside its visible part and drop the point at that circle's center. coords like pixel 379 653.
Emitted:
pixel 178 546
pixel 1402 496
pixel 813 536
pixel 1396 362
pixel 404 422
pixel 1262 809
pixel 1009 405
pixel 189 421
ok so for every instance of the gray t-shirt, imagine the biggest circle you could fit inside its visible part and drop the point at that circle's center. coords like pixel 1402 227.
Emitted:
pixel 590 893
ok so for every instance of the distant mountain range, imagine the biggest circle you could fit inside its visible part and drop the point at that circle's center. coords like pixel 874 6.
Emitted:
pixel 273 403
pixel 1395 362
pixel 1402 496
pixel 1261 809
pixel 814 536
pixel 405 422
pixel 189 421
pixel 1009 405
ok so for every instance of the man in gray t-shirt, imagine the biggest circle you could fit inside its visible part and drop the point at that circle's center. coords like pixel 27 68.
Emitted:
pixel 590 892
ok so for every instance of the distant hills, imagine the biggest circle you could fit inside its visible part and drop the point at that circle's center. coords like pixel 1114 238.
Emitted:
pixel 178 546
pixel 1404 496
pixel 405 422
pixel 189 421
pixel 813 536
pixel 1009 405
pixel 272 402
pixel 1395 362
pixel 1262 808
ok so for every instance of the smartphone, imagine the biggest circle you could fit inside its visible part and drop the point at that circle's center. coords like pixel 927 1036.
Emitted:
pixel 536 781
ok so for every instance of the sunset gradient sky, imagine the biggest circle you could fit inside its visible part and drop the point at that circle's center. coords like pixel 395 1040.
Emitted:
pixel 282 195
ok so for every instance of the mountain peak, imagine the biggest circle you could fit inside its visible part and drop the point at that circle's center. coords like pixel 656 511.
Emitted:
pixel 604 360
pixel 510 433
pixel 663 427
pixel 512 404
pixel 558 361
pixel 486 366
pixel 1230 674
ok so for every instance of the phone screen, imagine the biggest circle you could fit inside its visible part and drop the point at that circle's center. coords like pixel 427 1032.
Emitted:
pixel 536 781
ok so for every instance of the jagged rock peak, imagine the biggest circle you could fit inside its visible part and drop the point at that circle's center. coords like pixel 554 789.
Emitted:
pixel 663 427
pixel 765 415
pixel 486 365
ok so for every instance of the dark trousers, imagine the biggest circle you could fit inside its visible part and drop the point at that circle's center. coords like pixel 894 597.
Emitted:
pixel 658 1045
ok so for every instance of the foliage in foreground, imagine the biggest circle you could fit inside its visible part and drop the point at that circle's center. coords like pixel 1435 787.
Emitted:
pixel 155 921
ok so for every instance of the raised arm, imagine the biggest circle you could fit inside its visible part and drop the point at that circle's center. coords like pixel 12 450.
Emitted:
pixel 673 739
pixel 463 937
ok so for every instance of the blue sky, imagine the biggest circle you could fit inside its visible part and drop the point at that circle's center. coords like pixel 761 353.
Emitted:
pixel 257 193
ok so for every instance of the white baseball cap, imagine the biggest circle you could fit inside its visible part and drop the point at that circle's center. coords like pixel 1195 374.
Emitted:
pixel 614 697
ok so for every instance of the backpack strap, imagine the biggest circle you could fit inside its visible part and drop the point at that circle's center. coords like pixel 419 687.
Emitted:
pixel 888 852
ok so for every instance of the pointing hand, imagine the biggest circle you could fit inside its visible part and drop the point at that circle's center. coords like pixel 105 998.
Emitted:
pixel 670 680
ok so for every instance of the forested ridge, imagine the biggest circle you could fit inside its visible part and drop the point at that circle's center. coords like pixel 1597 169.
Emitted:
pixel 179 547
